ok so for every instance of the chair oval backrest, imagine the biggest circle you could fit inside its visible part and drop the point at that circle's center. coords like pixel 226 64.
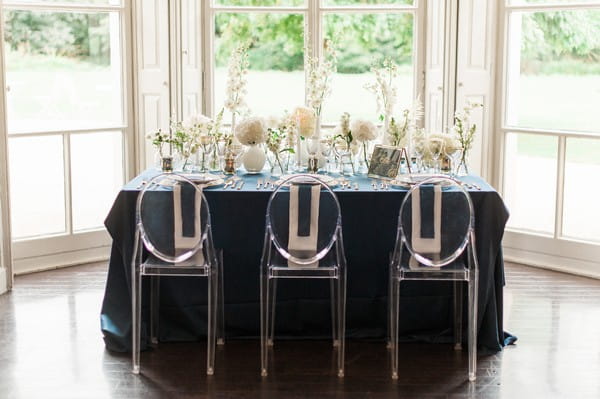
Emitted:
pixel 173 217
pixel 435 221
pixel 303 219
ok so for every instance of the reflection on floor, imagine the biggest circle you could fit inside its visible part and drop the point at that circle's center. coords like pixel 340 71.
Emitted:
pixel 51 346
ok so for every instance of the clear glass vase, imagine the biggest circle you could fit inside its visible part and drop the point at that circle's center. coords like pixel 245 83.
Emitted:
pixel 347 164
pixel 463 168
pixel 277 164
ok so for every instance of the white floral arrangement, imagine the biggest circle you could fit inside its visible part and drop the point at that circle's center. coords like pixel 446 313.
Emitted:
pixel 280 136
pixel 463 129
pixel 198 125
pixel 159 139
pixel 363 130
pixel 429 144
pixel 319 76
pixel 343 130
pixel 305 121
pixel 399 134
pixel 449 143
pixel 237 71
pixel 188 135
pixel 386 93
pixel 251 131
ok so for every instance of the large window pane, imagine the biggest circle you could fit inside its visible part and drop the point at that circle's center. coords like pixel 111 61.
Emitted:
pixel 553 70
pixel 63 70
pixel 276 57
pixel 581 212
pixel 37 186
pixel 96 175
pixel 530 181
pixel 362 40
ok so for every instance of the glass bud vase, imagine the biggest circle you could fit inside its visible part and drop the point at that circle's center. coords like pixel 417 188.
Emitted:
pixel 347 164
pixel 462 169
pixel 277 163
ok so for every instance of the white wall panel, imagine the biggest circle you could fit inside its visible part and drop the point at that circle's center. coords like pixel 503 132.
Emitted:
pixel 153 96
pixel 476 35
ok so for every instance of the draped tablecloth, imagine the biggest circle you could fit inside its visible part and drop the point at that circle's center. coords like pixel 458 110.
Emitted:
pixel 369 220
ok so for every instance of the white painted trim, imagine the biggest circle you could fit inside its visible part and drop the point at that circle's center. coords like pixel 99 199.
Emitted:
pixel 176 91
pixel 59 244
pixel 6 266
pixel 450 62
pixel 3 285
pixel 129 94
pixel 552 6
pixel 547 132
pixel 57 261
pixel 552 262
pixel 107 129
pixel 61 7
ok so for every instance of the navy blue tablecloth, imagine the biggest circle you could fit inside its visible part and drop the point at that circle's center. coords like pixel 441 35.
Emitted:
pixel 369 219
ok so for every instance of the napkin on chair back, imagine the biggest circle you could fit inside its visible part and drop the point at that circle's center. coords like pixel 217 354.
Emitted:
pixel 426 222
pixel 304 222
pixel 187 200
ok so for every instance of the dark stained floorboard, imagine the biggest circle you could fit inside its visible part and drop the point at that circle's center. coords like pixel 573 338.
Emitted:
pixel 51 347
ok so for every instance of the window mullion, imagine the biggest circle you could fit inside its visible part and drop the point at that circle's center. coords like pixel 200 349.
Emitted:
pixel 67 183
pixel 208 17
pixel 560 186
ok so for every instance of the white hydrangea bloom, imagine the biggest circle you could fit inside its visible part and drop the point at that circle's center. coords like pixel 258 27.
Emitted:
pixel 251 131
pixel 363 130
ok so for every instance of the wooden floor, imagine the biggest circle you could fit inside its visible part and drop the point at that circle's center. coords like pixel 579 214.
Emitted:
pixel 51 347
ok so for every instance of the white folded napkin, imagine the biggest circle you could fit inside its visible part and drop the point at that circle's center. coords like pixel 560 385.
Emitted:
pixel 303 247
pixel 430 246
pixel 180 241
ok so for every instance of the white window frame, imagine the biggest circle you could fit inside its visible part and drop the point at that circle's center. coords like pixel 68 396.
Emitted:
pixel 529 247
pixel 74 247
pixel 313 11
pixel 6 280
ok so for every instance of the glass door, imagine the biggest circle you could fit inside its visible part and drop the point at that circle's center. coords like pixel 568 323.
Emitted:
pixel 550 132
pixel 68 125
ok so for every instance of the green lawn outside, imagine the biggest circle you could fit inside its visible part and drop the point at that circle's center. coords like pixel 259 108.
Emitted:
pixel 87 94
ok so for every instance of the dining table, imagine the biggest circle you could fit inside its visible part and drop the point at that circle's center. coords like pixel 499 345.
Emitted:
pixel 369 211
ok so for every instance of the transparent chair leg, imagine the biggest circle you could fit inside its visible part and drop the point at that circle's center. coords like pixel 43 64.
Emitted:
pixel 390 311
pixel 272 307
pixel 136 308
pixel 154 308
pixel 395 314
pixel 221 301
pixel 458 306
pixel 334 312
pixel 213 293
pixel 341 306
pixel 264 321
pixel 473 286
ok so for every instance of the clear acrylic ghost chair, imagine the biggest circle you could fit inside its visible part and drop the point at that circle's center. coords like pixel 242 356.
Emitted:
pixel 438 256
pixel 303 240
pixel 173 225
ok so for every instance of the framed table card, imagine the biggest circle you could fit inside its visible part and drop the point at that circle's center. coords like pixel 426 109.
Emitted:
pixel 385 161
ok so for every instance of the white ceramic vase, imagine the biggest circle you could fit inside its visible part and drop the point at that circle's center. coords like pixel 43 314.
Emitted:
pixel 254 159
